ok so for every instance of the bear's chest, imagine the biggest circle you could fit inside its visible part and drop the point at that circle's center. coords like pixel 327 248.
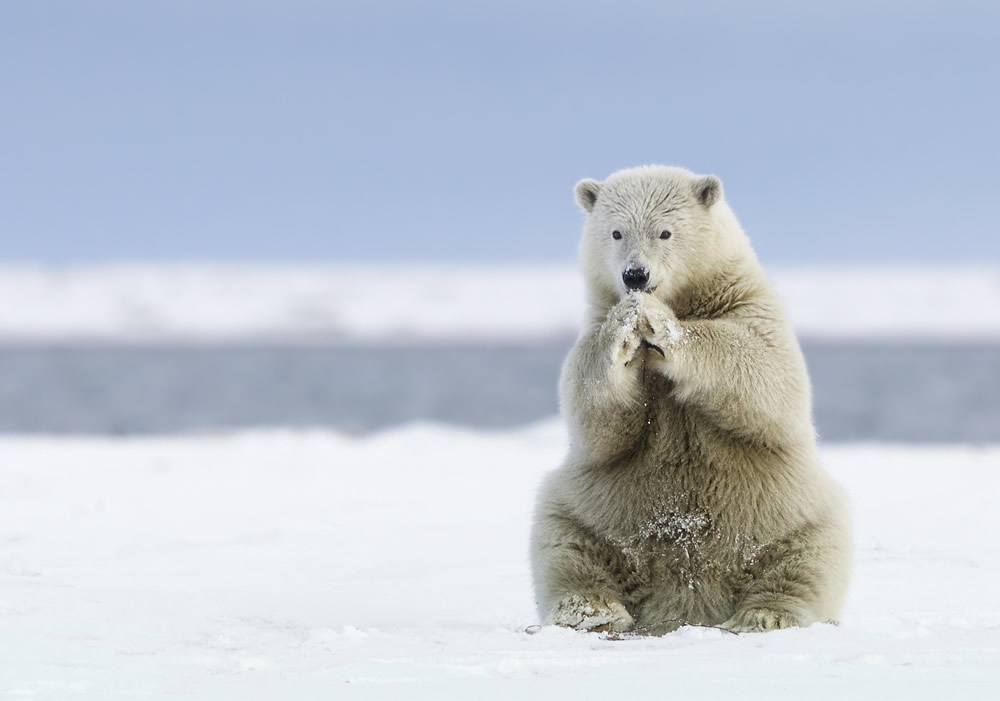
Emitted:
pixel 677 439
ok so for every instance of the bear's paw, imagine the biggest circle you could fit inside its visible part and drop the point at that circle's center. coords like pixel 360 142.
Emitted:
pixel 591 613
pixel 759 620
pixel 623 325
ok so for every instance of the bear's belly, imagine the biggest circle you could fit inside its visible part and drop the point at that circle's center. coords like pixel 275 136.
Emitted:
pixel 680 569
pixel 671 514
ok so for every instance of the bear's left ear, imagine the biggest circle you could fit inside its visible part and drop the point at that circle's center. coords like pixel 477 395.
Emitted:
pixel 708 190
pixel 586 192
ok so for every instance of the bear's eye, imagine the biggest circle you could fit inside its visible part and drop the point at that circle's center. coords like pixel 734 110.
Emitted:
pixel 616 234
pixel 665 234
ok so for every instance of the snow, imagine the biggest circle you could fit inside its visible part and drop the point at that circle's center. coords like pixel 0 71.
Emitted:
pixel 458 302
pixel 312 565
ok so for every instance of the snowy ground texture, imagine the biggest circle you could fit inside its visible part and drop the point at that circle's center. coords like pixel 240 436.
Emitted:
pixel 315 566
pixel 210 303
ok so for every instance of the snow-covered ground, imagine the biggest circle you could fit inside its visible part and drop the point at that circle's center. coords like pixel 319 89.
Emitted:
pixel 377 303
pixel 282 565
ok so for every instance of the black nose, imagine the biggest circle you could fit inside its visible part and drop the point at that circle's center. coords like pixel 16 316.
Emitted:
pixel 635 278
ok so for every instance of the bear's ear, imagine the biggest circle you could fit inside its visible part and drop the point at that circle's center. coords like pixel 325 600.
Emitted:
pixel 586 193
pixel 708 190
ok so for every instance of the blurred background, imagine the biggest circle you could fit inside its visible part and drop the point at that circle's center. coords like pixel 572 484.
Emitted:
pixel 228 215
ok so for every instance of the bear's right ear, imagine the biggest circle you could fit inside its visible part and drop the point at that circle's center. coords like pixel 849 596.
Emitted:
pixel 586 192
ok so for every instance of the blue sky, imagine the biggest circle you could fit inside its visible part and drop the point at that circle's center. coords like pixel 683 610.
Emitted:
pixel 349 131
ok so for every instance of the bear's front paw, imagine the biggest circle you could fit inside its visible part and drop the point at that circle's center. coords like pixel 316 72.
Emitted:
pixel 627 349
pixel 591 613
pixel 623 330
pixel 759 620
pixel 660 329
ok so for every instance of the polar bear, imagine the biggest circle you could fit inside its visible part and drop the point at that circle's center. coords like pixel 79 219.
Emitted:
pixel 692 492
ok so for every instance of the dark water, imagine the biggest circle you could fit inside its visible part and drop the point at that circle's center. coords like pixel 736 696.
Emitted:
pixel 861 391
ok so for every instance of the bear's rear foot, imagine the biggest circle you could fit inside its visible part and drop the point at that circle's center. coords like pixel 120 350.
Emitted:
pixel 759 620
pixel 591 613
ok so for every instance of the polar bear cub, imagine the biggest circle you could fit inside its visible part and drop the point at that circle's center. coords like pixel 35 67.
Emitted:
pixel 692 491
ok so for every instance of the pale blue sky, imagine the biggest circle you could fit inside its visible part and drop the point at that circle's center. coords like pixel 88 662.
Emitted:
pixel 333 131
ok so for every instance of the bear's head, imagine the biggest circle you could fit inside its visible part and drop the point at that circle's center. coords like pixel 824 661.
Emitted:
pixel 655 229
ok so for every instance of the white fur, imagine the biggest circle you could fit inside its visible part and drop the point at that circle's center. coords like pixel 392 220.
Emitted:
pixel 692 491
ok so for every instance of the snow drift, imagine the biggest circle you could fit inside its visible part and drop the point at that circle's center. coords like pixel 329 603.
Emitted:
pixel 454 303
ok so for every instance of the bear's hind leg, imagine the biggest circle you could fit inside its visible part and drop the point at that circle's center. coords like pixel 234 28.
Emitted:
pixel 578 578
pixel 801 580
